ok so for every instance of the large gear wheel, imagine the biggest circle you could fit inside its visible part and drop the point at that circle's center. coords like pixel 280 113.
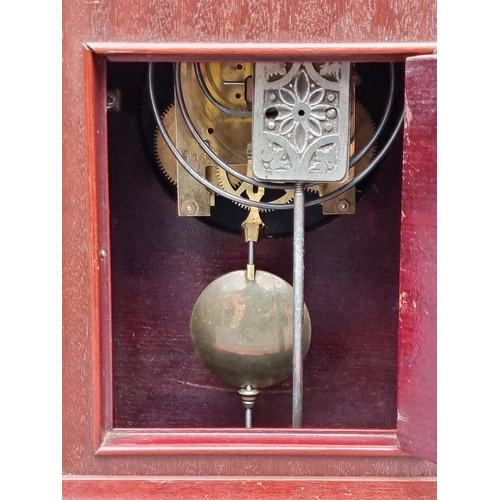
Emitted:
pixel 165 159
pixel 228 182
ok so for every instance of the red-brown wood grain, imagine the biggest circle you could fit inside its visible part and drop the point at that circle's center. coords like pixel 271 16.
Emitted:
pixel 417 401
pixel 122 52
pixel 231 465
pixel 98 228
pixel 252 441
pixel 285 21
pixel 140 21
pixel 264 488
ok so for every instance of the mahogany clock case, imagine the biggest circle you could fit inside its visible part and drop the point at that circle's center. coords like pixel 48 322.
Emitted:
pixel 132 271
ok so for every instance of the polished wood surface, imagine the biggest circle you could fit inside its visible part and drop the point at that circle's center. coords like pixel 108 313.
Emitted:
pixel 142 52
pixel 137 22
pixel 79 459
pixel 296 442
pixel 284 21
pixel 260 488
pixel 98 220
pixel 417 392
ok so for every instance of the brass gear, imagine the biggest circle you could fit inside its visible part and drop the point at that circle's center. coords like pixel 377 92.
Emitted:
pixel 227 181
pixel 287 197
pixel 365 128
pixel 168 164
pixel 164 157
pixel 232 185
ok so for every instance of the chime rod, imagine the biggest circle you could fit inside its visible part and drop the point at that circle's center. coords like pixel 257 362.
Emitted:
pixel 298 302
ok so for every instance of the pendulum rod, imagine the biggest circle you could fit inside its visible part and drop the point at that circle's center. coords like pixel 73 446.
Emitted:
pixel 248 395
pixel 251 262
pixel 248 418
pixel 298 302
pixel 251 253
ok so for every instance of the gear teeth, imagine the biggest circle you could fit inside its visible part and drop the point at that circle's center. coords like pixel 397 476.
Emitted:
pixel 314 189
pixel 368 119
pixel 286 198
pixel 230 187
pixel 168 165
pixel 169 172
pixel 368 116
pixel 223 179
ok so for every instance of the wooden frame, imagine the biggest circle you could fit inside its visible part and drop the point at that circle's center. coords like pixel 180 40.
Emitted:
pixel 150 30
pixel 143 488
pixel 110 441
pixel 139 52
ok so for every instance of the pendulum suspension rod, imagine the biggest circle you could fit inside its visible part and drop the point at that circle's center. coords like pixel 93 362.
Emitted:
pixel 298 302
pixel 251 261
pixel 248 396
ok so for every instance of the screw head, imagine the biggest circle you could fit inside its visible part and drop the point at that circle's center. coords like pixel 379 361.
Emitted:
pixel 103 254
pixel 344 205
pixel 189 207
pixel 111 99
pixel 331 113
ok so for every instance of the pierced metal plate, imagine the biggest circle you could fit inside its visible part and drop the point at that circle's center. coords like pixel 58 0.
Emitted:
pixel 301 121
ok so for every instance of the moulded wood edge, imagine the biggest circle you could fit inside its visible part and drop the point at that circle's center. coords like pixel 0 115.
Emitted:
pixel 141 52
pixel 111 442
pixel 255 441
pixel 209 487
pixel 98 228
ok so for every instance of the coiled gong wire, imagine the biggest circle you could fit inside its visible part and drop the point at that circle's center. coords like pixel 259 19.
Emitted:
pixel 249 180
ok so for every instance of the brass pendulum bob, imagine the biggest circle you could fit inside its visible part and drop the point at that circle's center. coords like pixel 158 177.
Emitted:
pixel 242 325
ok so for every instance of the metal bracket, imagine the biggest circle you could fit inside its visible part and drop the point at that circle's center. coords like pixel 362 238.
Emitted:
pixel 301 121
